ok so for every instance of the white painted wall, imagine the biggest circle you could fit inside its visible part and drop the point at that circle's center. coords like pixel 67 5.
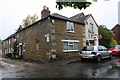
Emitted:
pixel 87 27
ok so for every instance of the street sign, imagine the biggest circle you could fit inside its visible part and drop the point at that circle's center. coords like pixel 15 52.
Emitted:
pixel 47 35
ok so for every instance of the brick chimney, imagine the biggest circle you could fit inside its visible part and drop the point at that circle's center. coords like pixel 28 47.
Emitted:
pixel 26 23
pixel 82 14
pixel 45 12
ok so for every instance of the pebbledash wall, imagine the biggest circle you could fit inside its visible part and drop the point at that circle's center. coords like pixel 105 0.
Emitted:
pixel 49 36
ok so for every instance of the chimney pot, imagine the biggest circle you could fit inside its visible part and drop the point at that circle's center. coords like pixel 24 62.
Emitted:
pixel 26 24
pixel 45 12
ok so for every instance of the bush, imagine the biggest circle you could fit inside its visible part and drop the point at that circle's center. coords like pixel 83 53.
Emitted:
pixel 113 42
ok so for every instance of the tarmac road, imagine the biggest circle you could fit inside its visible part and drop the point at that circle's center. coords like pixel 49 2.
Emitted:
pixel 61 69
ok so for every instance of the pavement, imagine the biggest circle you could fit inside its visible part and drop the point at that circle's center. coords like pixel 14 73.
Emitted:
pixel 6 62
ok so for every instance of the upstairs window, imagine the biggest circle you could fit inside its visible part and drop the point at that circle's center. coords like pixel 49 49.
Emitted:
pixel 91 27
pixel 70 27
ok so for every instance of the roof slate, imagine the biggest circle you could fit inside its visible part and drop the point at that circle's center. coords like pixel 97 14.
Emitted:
pixel 59 16
pixel 79 18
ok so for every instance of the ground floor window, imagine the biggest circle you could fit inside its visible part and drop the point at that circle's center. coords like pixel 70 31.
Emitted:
pixel 70 45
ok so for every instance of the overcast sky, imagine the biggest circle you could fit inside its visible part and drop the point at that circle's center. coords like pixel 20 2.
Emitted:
pixel 12 12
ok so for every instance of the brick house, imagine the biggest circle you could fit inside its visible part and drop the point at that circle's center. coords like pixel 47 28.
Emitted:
pixel 7 45
pixel 52 35
pixel 116 31
pixel 0 49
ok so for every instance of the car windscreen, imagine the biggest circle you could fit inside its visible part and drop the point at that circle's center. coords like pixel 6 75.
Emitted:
pixel 88 48
pixel 116 47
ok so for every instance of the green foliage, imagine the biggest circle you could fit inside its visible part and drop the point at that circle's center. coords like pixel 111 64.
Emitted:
pixel 0 41
pixel 107 36
pixel 75 5
pixel 30 19
pixel 20 27
pixel 113 42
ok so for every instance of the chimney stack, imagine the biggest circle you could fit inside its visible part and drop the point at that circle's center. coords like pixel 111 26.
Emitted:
pixel 26 23
pixel 45 12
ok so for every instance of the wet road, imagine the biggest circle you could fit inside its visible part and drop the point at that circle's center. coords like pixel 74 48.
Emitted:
pixel 88 69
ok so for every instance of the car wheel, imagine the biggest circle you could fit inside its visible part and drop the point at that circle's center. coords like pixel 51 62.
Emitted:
pixel 82 59
pixel 110 56
pixel 98 58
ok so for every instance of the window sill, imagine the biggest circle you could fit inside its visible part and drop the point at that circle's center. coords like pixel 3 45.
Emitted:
pixel 69 50
pixel 70 32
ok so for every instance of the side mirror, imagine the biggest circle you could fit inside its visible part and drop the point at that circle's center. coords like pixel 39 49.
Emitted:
pixel 107 49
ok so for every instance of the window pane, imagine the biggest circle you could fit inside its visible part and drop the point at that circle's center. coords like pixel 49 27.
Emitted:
pixel 71 47
pixel 88 48
pixel 68 26
pixel 91 27
pixel 70 43
pixel 65 45
pixel 72 27
pixel 75 46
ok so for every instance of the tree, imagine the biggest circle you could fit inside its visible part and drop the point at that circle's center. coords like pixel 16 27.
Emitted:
pixel 30 19
pixel 75 5
pixel 113 42
pixel 0 41
pixel 20 27
pixel 60 4
pixel 107 37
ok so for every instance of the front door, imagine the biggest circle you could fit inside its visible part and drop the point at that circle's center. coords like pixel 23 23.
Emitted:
pixel 20 50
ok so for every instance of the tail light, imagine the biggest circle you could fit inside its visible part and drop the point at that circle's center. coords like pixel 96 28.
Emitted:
pixel 93 53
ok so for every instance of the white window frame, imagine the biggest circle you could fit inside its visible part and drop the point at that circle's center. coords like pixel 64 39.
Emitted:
pixel 9 51
pixel 9 41
pixel 24 47
pixel 4 43
pixel 69 44
pixel 70 27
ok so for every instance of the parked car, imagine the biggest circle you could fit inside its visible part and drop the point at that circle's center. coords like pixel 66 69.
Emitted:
pixel 115 50
pixel 95 52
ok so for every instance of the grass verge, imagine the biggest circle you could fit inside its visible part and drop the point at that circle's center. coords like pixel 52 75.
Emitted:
pixel 7 62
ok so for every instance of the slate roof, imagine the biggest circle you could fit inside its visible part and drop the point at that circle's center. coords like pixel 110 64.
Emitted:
pixel 56 15
pixel 117 25
pixel 79 18
pixel 76 16
pixel 12 35
pixel 59 16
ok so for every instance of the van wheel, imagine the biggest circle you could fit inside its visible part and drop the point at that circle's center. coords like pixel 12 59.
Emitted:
pixel 98 58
